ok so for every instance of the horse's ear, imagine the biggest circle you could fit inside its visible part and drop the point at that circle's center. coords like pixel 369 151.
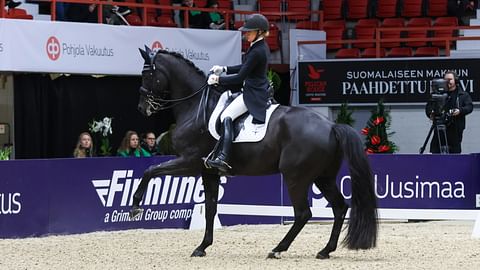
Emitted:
pixel 145 55
pixel 148 50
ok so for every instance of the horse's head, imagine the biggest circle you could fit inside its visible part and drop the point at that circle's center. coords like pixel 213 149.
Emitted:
pixel 154 90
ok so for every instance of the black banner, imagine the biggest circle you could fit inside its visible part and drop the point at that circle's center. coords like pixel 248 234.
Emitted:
pixel 394 80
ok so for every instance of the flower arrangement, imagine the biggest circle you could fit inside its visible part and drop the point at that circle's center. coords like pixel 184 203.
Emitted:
pixel 103 128
pixel 5 152
pixel 376 132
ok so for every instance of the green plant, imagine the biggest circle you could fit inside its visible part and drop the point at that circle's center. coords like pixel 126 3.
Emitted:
pixel 5 152
pixel 274 79
pixel 344 116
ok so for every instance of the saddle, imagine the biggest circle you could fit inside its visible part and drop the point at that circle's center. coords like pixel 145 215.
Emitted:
pixel 244 128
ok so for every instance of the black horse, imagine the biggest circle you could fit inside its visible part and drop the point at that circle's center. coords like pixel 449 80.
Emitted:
pixel 301 144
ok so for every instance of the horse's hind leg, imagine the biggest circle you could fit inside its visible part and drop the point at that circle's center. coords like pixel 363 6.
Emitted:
pixel 330 191
pixel 211 183
pixel 298 196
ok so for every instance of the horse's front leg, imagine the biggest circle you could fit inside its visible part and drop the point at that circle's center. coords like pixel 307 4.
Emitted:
pixel 211 183
pixel 175 167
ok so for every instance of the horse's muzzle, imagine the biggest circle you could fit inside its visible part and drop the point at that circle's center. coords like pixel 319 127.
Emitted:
pixel 143 107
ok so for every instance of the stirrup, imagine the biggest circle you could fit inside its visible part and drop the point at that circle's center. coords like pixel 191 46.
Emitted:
pixel 221 164
pixel 208 158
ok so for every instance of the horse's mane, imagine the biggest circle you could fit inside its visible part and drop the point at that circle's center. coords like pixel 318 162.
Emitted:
pixel 180 56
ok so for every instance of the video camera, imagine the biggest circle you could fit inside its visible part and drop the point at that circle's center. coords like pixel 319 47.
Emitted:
pixel 438 98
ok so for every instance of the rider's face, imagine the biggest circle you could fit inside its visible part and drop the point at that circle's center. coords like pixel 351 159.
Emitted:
pixel 250 35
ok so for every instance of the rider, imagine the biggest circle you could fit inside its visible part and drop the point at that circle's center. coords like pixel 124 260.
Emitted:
pixel 253 74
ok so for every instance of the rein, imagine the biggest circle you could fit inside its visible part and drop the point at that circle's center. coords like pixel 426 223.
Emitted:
pixel 157 103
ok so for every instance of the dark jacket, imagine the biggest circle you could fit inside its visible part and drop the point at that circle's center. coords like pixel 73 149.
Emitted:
pixel 253 74
pixel 455 125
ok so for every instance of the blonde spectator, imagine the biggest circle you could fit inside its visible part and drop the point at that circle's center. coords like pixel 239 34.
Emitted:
pixel 84 146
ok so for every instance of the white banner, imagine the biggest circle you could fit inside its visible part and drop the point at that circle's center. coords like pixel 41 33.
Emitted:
pixel 64 47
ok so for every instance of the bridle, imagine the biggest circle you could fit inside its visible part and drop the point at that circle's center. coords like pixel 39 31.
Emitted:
pixel 158 103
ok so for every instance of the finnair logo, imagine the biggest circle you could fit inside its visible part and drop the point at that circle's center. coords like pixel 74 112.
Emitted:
pixel 119 190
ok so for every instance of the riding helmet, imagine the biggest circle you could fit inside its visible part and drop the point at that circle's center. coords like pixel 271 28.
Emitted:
pixel 255 22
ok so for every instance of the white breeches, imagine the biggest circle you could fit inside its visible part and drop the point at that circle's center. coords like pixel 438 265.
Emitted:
pixel 235 109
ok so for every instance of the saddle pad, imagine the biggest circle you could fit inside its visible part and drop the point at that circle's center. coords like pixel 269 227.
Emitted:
pixel 249 132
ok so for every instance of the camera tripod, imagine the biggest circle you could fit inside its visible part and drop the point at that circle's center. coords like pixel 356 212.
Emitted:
pixel 441 130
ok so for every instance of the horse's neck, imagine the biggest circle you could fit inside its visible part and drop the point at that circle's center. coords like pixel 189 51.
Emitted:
pixel 194 112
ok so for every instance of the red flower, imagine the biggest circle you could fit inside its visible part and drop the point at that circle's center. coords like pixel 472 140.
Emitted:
pixel 370 151
pixel 365 131
pixel 378 120
pixel 383 148
pixel 375 139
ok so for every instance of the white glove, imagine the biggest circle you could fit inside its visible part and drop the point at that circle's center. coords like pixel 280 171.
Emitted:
pixel 212 79
pixel 217 70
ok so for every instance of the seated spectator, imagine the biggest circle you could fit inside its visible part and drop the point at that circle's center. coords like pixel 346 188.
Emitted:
pixel 195 17
pixel 12 4
pixel 462 9
pixel 212 20
pixel 81 13
pixel 149 143
pixel 130 146
pixel 84 146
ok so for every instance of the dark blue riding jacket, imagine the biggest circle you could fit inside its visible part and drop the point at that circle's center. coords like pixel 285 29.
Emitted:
pixel 253 74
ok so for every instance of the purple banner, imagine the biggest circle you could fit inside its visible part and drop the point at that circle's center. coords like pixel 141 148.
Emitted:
pixel 63 196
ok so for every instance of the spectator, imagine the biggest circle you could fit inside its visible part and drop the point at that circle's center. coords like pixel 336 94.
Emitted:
pixel 130 146
pixel 12 4
pixel 194 16
pixel 81 13
pixel 462 9
pixel 458 104
pixel 149 143
pixel 84 146
pixel 212 20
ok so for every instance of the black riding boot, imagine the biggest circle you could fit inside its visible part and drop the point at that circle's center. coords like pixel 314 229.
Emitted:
pixel 221 161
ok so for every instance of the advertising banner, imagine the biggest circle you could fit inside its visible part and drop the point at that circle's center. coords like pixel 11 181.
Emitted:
pixel 405 80
pixel 65 47
pixel 64 196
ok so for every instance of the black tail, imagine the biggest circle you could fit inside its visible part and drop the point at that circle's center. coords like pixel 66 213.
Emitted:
pixel 363 227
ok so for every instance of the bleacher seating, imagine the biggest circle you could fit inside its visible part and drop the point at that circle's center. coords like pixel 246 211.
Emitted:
pixel 400 52
pixel 298 6
pixel 437 8
pixel 418 22
pixel 18 13
pixel 362 17
pixel 427 52
pixel 412 8
pixel 387 9
pixel 270 6
pixel 357 9
pixel 347 53
pixel 332 9
pixel 364 33
pixel 334 30
pixel 444 21
pixel 368 22
pixel 393 23
pixel 372 53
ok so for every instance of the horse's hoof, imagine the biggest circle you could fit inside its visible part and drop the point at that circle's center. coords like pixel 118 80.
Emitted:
pixel 135 212
pixel 198 253
pixel 274 255
pixel 322 256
